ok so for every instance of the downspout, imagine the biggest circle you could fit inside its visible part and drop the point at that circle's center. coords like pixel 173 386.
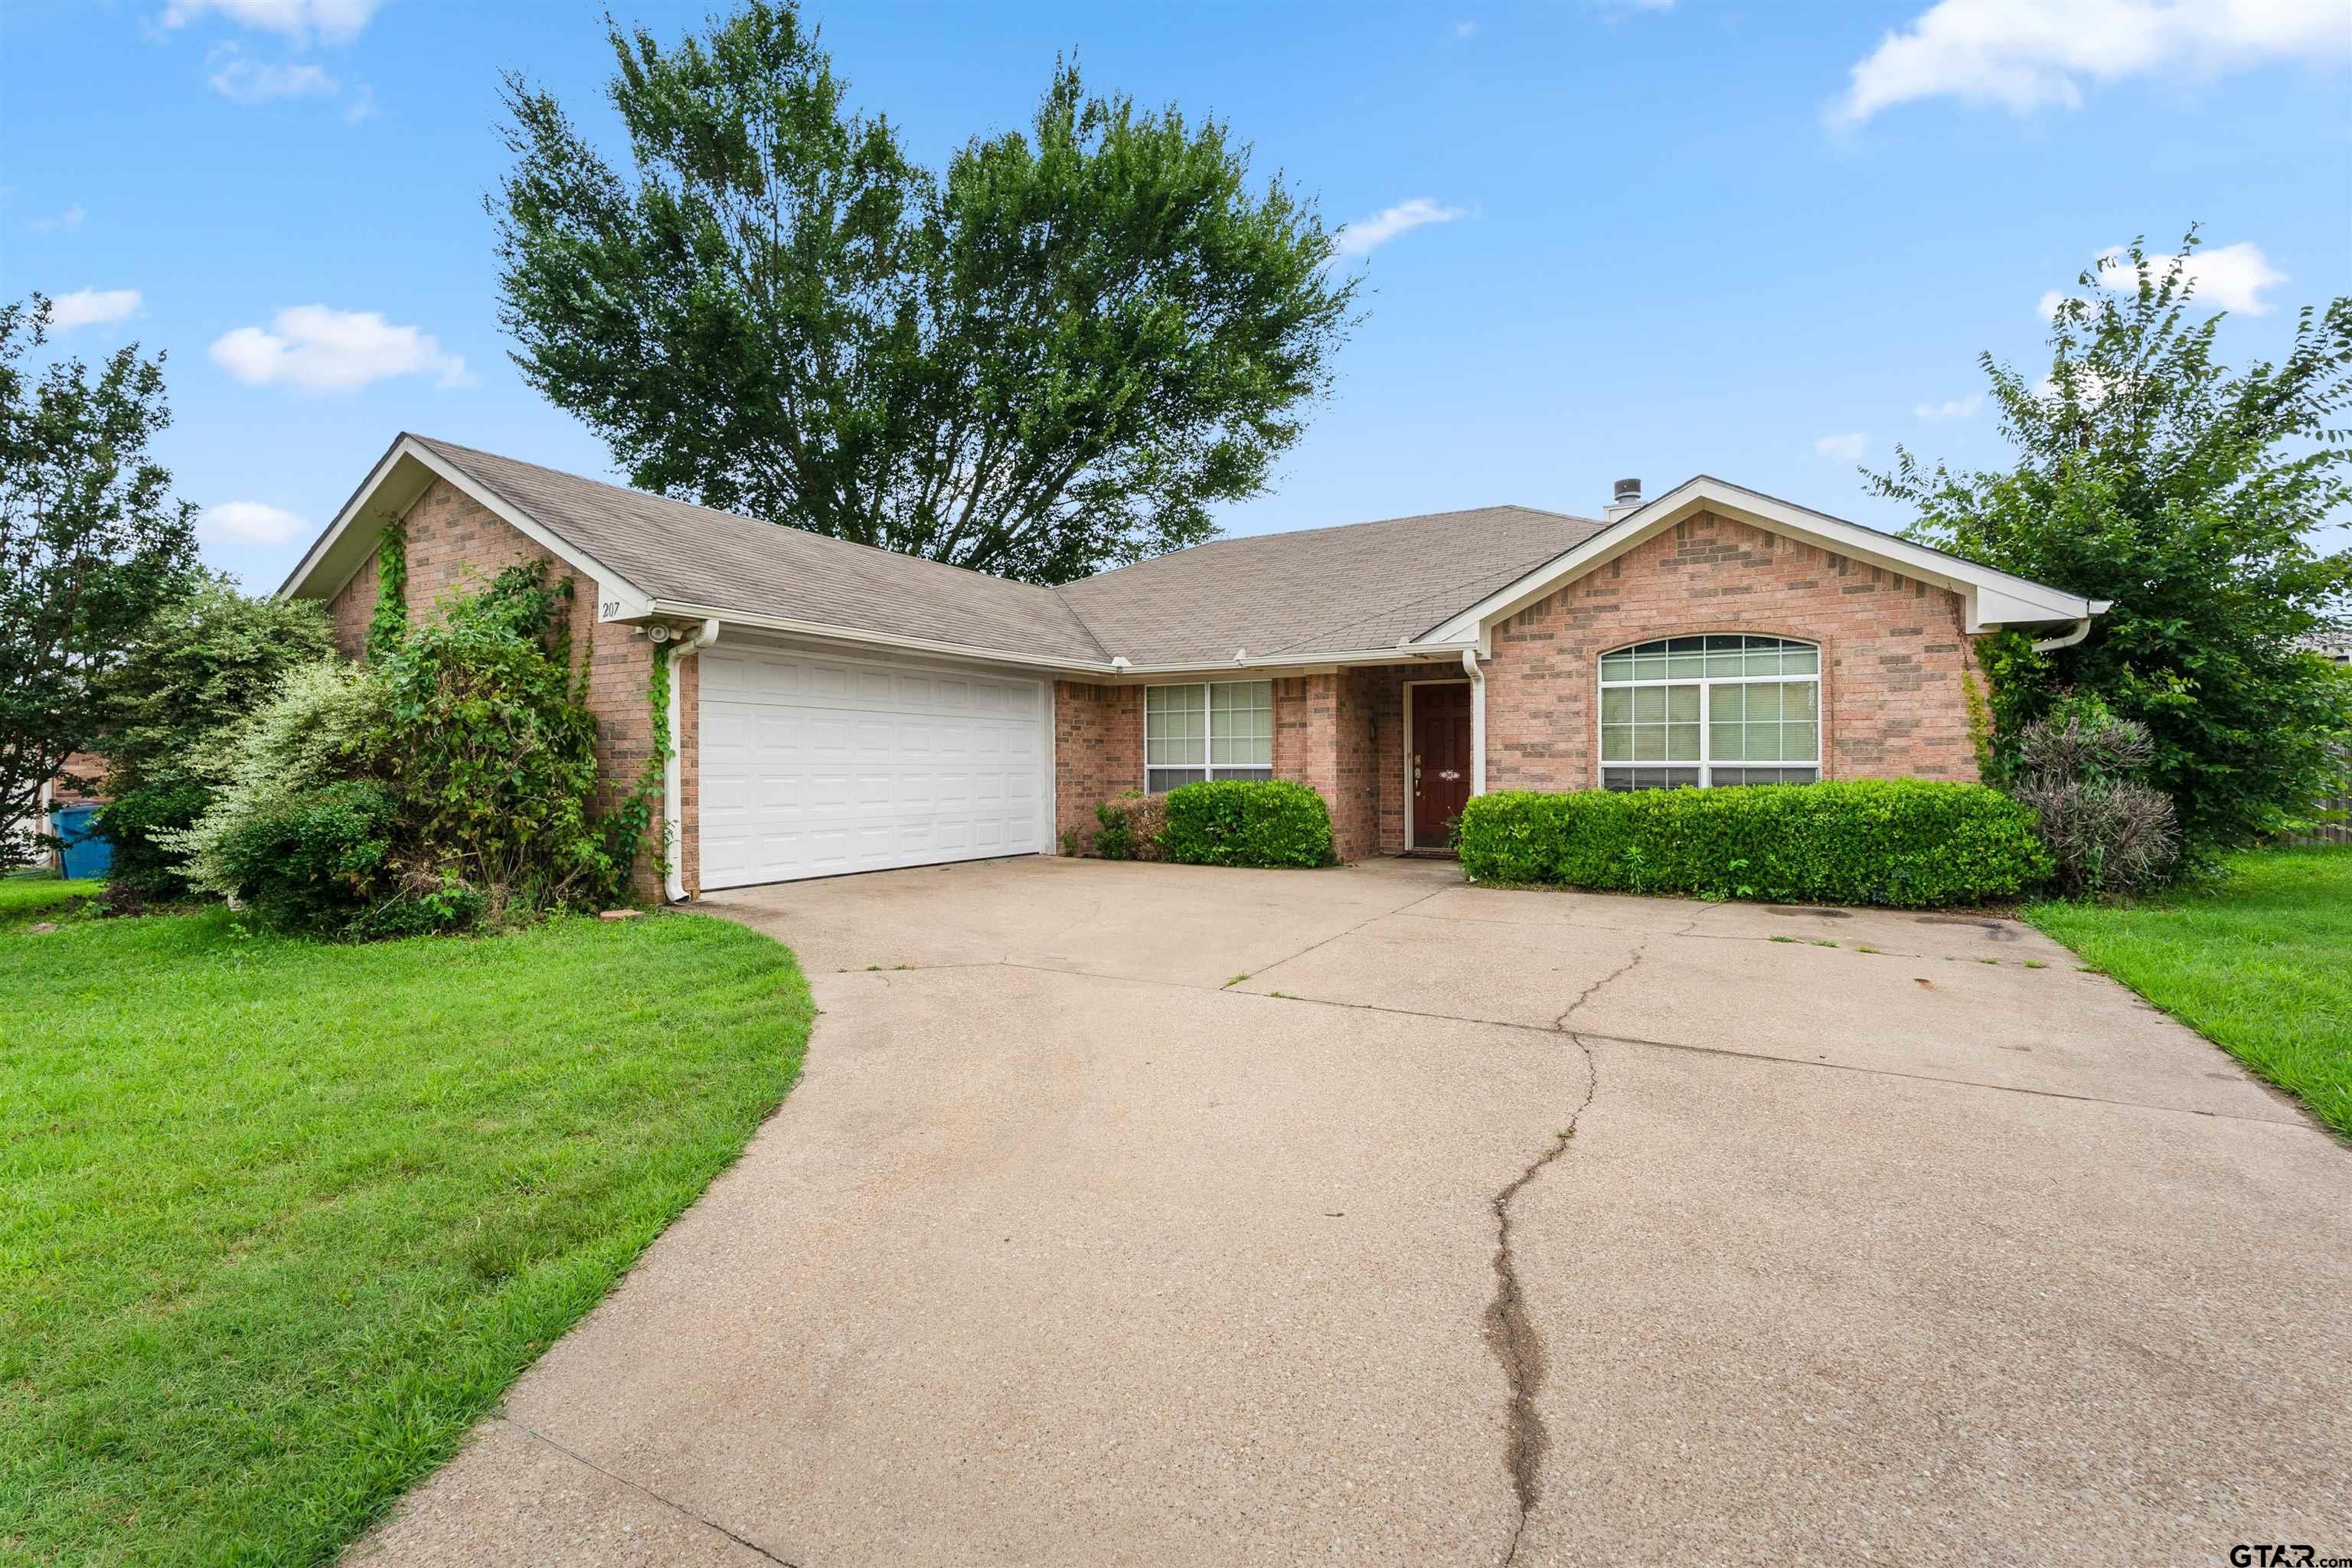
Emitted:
pixel 673 781
pixel 1477 719
pixel 2051 644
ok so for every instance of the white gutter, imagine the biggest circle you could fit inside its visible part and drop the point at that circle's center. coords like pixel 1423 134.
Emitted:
pixel 673 780
pixel 1408 653
pixel 2082 629
pixel 1478 720
pixel 873 639
pixel 1412 653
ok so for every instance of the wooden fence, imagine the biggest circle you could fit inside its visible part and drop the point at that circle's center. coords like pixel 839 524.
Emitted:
pixel 2338 831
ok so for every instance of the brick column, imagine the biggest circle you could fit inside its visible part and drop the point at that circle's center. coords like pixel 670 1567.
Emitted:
pixel 1323 739
pixel 1097 752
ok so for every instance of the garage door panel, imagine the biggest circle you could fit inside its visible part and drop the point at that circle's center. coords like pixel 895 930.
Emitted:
pixel 814 767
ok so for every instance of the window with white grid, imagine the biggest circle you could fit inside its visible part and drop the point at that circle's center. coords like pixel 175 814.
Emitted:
pixel 1723 709
pixel 1214 730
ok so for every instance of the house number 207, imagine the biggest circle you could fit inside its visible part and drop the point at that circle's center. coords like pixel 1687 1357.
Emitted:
pixel 607 610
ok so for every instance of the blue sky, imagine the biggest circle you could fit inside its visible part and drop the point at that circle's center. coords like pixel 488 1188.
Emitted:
pixel 1763 241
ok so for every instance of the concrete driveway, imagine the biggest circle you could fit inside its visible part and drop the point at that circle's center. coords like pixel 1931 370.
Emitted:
pixel 1159 1215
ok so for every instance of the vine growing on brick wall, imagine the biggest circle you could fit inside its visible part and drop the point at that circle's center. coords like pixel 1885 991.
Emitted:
pixel 388 624
pixel 650 782
pixel 1980 726
pixel 626 827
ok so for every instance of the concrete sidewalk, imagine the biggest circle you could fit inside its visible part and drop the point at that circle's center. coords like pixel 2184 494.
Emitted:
pixel 1165 1215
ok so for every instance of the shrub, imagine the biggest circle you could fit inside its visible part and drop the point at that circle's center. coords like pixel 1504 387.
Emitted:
pixel 449 784
pixel 2079 769
pixel 318 730
pixel 493 753
pixel 1911 843
pixel 1131 827
pixel 1112 839
pixel 1243 822
pixel 316 860
pixel 198 666
pixel 422 904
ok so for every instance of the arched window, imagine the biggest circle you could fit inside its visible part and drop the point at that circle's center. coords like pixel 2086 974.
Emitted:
pixel 1723 709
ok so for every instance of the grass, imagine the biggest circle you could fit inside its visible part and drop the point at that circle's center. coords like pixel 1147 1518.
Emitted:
pixel 2257 964
pixel 284 1219
pixel 24 900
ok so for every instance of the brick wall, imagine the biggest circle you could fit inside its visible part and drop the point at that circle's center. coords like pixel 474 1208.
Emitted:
pixel 1893 653
pixel 457 545
pixel 1380 702
pixel 353 607
pixel 1097 751
pixel 1341 733
pixel 1305 747
pixel 80 779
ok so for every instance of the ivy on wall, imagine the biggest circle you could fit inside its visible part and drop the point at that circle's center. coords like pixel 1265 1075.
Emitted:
pixel 655 775
pixel 626 827
pixel 1980 727
pixel 389 625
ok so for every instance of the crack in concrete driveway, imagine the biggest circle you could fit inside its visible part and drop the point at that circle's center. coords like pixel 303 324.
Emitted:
pixel 1510 1328
pixel 1511 1331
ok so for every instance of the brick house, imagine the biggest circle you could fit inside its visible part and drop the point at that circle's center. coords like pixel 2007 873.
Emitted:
pixel 839 708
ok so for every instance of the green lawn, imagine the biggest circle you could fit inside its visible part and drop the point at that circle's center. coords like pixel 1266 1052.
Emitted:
pixel 25 900
pixel 279 1221
pixel 2262 965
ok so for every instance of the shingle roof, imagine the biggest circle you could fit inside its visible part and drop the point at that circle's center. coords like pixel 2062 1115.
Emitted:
pixel 1326 590
pixel 692 554
pixel 1321 590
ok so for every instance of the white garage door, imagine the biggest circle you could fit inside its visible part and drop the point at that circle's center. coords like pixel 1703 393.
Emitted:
pixel 814 767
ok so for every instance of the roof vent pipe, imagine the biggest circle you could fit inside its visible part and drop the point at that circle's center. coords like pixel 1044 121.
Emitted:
pixel 1626 497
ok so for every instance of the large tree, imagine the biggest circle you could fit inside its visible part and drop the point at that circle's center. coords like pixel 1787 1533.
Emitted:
pixel 1058 355
pixel 2196 498
pixel 91 544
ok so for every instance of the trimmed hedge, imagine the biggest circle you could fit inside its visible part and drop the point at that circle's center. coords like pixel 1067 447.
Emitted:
pixel 1912 843
pixel 1246 821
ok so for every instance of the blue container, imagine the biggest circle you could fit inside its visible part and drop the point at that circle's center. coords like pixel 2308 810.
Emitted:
pixel 88 853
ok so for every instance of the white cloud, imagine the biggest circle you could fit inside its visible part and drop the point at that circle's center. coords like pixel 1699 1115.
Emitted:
pixel 2231 276
pixel 316 349
pixel 1956 408
pixel 92 307
pixel 362 105
pixel 1850 446
pixel 332 21
pixel 1366 235
pixel 1465 29
pixel 66 222
pixel 249 82
pixel 2024 55
pixel 250 522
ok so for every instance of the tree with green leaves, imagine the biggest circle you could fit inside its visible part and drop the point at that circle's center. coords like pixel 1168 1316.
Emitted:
pixel 2194 496
pixel 201 664
pixel 91 544
pixel 1058 355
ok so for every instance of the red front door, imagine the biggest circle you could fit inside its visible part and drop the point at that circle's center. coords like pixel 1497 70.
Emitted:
pixel 1440 761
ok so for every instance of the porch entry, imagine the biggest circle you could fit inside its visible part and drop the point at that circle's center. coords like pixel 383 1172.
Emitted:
pixel 1437 759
